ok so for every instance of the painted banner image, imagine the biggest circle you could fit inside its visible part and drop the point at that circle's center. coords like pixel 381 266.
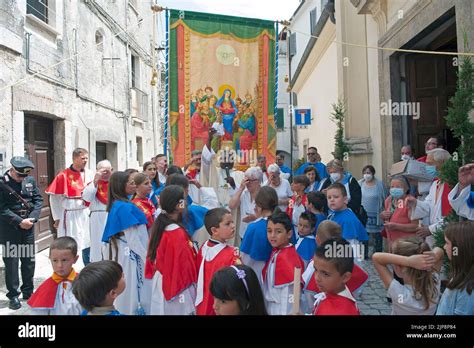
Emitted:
pixel 221 75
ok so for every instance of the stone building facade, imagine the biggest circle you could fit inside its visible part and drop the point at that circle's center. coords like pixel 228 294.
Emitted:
pixel 77 74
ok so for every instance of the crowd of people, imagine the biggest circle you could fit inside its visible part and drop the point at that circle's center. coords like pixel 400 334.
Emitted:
pixel 208 239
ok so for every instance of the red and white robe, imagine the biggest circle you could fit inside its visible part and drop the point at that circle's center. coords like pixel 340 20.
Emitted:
pixel 278 276
pixel 212 257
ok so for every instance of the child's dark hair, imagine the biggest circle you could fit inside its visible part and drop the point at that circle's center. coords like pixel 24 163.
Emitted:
pixel 131 170
pixel 228 285
pixel 312 169
pixel 64 243
pixel 266 198
pixel 174 170
pixel 177 179
pixel 340 187
pixel 309 217
pixel 95 281
pixel 461 236
pixel 279 217
pixel 117 184
pixel 339 252
pixel 301 179
pixel 214 217
pixel 170 197
pixel 317 199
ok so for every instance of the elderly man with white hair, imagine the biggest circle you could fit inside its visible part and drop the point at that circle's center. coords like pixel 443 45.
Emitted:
pixel 245 197
pixel 436 205
pixel 96 193
pixel 281 186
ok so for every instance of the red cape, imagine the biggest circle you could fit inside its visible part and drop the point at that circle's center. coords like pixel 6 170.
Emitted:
pixel 176 261
pixel 286 262
pixel 226 257
pixel 45 295
pixel 68 183
pixel 358 278
pixel 335 304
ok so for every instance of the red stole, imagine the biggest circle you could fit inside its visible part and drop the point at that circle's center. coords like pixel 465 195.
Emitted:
pixel 226 257
pixel 445 205
pixel 45 295
pixel 422 159
pixel 102 191
pixel 176 261
pixel 147 207
pixel 192 172
pixel 289 210
pixel 68 183
pixel 358 278
pixel 335 304
pixel 287 259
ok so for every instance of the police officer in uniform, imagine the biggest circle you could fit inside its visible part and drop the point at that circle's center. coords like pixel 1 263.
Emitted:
pixel 20 208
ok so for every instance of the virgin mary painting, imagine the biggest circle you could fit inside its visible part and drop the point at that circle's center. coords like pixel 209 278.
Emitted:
pixel 228 110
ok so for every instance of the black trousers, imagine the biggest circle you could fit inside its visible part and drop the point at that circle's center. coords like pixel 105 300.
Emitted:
pixel 19 247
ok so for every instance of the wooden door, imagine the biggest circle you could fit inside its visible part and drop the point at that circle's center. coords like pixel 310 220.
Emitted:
pixel 431 81
pixel 39 149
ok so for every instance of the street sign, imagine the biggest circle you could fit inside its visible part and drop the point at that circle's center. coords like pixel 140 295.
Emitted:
pixel 302 117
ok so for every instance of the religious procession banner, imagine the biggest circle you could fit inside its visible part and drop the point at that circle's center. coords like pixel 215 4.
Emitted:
pixel 221 75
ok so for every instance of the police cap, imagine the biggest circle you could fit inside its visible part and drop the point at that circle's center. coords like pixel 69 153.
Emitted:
pixel 22 166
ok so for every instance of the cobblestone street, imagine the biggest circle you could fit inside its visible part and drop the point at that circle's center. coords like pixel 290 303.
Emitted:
pixel 373 299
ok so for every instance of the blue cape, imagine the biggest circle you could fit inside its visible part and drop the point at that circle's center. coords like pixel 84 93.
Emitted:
pixel 285 169
pixel 194 219
pixel 255 242
pixel 122 216
pixel 351 226
pixel 307 248
pixel 321 168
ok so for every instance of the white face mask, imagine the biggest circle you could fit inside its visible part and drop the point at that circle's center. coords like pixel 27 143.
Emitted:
pixel 335 176
pixel 368 177
pixel 405 157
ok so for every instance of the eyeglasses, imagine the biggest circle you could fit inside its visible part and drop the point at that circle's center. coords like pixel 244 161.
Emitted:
pixel 131 182
pixel 311 153
pixel 434 144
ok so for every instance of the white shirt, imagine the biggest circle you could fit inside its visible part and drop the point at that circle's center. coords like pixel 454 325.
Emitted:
pixel 247 207
pixel 162 178
pixel 459 203
pixel 283 191
pixel 431 207
pixel 404 303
